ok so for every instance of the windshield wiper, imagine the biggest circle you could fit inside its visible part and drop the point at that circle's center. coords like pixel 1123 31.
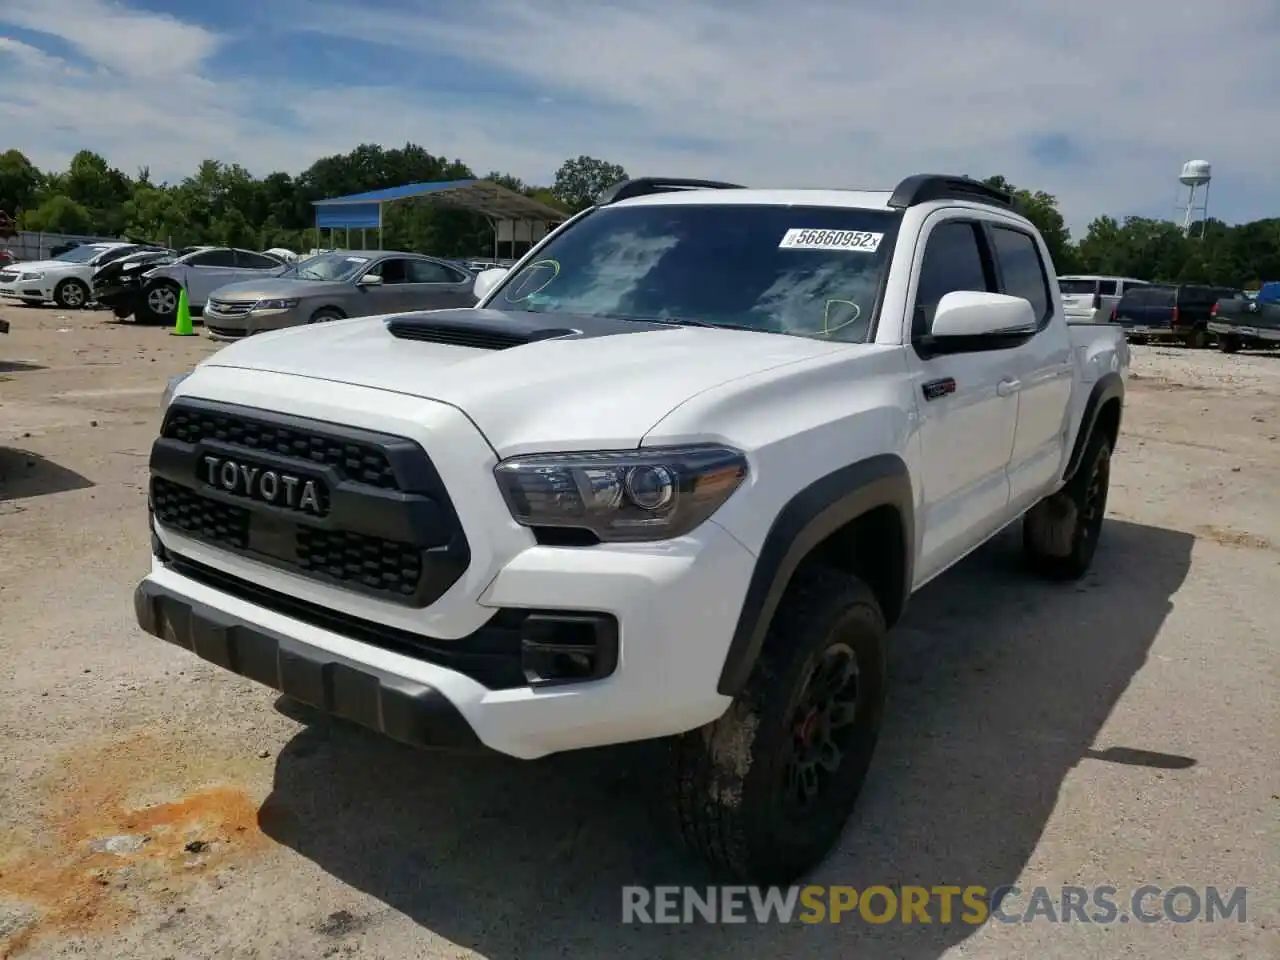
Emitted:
pixel 685 322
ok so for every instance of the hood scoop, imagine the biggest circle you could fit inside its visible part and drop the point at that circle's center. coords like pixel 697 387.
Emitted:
pixel 478 329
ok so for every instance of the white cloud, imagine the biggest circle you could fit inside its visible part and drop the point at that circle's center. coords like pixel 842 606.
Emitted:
pixel 787 94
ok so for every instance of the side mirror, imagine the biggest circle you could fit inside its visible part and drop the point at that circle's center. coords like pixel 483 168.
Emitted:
pixel 486 280
pixel 967 321
pixel 370 280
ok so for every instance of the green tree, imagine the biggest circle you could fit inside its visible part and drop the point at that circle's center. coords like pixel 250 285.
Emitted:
pixel 1042 210
pixel 581 180
pixel 19 182
pixel 59 214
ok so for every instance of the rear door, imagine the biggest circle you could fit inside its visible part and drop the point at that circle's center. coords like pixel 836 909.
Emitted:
pixel 437 286
pixel 1045 367
pixel 255 266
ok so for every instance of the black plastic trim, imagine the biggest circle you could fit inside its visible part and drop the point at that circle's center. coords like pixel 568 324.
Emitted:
pixel 399 708
pixel 810 517
pixel 926 187
pixel 928 346
pixel 488 329
pixel 643 186
pixel 1110 386
pixel 418 513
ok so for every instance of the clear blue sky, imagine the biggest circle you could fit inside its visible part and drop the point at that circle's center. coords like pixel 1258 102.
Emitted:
pixel 818 93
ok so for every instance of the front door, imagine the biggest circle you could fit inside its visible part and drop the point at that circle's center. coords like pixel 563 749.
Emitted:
pixel 967 407
pixel 1045 372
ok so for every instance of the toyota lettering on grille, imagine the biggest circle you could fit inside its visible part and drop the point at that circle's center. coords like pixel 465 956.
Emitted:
pixel 268 486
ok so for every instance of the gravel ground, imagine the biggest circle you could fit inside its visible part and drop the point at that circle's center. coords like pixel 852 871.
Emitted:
pixel 1119 731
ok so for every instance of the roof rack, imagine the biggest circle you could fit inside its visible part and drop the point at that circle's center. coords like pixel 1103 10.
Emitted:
pixel 924 187
pixel 643 186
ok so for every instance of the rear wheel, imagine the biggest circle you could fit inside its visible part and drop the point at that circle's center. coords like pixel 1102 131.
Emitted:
pixel 1228 343
pixel 1060 533
pixel 71 294
pixel 764 792
pixel 1198 339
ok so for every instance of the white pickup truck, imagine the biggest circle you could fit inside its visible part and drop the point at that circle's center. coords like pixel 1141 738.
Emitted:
pixel 675 476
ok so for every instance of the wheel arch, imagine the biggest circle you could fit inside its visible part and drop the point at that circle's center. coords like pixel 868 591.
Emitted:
pixel 860 519
pixel 1102 410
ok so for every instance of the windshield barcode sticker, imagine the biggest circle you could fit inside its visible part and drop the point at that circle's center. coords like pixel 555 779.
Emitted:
pixel 858 241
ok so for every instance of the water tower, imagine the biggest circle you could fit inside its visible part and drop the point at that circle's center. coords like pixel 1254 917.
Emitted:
pixel 1195 174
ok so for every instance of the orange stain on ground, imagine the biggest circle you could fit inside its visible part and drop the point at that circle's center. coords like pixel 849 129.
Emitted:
pixel 73 882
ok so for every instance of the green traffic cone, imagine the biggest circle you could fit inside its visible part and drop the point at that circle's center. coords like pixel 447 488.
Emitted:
pixel 182 327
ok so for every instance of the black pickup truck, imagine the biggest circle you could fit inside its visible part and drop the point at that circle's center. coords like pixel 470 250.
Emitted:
pixel 1244 322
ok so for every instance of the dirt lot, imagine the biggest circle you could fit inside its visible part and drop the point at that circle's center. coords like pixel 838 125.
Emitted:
pixel 1121 731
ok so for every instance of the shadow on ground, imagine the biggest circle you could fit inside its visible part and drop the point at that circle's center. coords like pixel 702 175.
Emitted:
pixel 24 474
pixel 1001 684
pixel 19 366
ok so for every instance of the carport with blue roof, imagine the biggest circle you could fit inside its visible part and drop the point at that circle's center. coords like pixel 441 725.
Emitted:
pixel 510 214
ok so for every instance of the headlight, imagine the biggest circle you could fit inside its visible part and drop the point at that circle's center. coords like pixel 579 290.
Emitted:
pixel 275 305
pixel 167 397
pixel 629 495
pixel 31 276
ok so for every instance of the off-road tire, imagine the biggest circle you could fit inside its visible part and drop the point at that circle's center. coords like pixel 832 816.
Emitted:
pixel 1060 533
pixel 147 312
pixel 71 294
pixel 726 782
pixel 1228 343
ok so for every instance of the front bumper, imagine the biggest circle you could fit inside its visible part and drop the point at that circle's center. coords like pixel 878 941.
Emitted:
pixel 401 709
pixel 239 326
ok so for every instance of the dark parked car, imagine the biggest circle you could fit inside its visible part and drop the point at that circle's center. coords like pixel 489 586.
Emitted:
pixel 118 286
pixel 1248 321
pixel 1171 312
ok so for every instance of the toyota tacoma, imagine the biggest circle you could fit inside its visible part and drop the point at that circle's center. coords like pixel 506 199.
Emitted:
pixel 674 477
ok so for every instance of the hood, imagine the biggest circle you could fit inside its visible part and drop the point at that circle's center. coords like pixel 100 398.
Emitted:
pixel 30 266
pixel 274 289
pixel 590 382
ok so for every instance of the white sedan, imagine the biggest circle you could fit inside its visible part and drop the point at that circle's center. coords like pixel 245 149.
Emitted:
pixel 67 279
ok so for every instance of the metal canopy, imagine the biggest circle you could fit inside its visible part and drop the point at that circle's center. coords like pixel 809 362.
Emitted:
pixel 364 210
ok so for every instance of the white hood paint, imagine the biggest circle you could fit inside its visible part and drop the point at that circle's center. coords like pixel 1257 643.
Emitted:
pixel 577 391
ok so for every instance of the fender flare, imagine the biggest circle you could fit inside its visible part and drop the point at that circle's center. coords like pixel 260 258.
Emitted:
pixel 1110 386
pixel 805 521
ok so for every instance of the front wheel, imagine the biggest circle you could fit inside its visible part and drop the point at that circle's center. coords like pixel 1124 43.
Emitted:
pixel 71 294
pixel 160 302
pixel 763 793
pixel 1228 344
pixel 1198 339
pixel 1060 533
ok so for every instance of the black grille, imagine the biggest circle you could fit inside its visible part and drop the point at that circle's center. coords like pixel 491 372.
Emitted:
pixel 354 461
pixel 381 522
pixel 202 518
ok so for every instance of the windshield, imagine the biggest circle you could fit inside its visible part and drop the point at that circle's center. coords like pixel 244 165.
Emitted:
pixel 1077 287
pixel 802 271
pixel 326 266
pixel 82 254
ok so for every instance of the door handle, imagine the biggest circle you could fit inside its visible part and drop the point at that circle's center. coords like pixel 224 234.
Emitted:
pixel 1008 387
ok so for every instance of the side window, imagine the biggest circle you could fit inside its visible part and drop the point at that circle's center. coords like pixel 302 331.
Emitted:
pixel 953 260
pixel 394 270
pixel 428 271
pixel 1108 288
pixel 1022 270
pixel 254 261
pixel 213 258
pixel 112 255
